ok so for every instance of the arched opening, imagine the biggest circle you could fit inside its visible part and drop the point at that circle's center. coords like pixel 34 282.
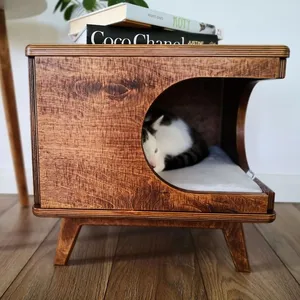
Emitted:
pixel 198 102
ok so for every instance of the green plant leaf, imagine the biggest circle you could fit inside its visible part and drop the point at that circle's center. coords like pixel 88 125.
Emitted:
pixel 89 4
pixel 114 2
pixel 135 2
pixel 139 3
pixel 64 4
pixel 58 4
pixel 68 12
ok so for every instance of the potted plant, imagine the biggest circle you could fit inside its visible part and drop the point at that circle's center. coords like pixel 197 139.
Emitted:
pixel 74 8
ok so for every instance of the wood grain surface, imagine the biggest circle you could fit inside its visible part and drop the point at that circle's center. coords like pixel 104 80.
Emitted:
pixel 6 202
pixel 34 130
pixel 155 264
pixel 233 233
pixel 163 256
pixel 235 239
pixel 152 216
pixel 268 280
pixel 69 230
pixel 283 236
pixel 160 50
pixel 236 95
pixel 269 192
pixel 85 278
pixel 20 235
pixel 90 113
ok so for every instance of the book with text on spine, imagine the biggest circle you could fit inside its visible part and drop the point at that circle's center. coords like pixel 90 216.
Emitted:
pixel 129 15
pixel 97 34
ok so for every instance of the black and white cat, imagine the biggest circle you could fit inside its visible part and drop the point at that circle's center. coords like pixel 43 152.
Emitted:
pixel 170 143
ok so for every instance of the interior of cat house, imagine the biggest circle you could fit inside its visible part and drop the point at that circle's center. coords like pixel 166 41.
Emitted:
pixel 187 139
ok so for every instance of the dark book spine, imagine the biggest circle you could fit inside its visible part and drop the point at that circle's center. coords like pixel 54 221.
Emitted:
pixel 97 34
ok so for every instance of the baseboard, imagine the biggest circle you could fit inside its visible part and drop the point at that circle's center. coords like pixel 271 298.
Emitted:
pixel 286 187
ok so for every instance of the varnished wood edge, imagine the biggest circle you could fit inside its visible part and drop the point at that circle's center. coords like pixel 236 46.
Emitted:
pixel 158 50
pixel 282 67
pixel 153 215
pixel 34 133
pixel 148 222
pixel 240 141
pixel 240 125
pixel 269 192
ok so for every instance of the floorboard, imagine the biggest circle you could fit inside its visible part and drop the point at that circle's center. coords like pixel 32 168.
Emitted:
pixel 115 263
pixel 155 263
pixel 85 277
pixel 21 233
pixel 283 235
pixel 6 202
pixel 269 278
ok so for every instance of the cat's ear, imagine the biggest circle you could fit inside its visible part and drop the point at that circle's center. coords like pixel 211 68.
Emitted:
pixel 157 123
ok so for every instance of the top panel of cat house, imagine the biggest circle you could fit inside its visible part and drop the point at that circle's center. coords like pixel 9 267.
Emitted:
pixel 88 108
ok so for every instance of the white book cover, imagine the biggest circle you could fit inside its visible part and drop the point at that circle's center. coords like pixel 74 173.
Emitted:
pixel 126 12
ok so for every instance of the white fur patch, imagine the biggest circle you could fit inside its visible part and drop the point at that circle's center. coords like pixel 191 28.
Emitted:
pixel 173 139
pixel 170 139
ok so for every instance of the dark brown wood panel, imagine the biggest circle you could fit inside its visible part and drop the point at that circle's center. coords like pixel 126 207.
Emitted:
pixel 34 131
pixel 269 279
pixel 269 192
pixel 90 114
pixel 160 50
pixel 235 100
pixel 284 236
pixel 152 216
pixel 282 68
pixel 86 276
pixel 235 239
pixel 199 102
pixel 69 230
pixel 155 264
pixel 21 233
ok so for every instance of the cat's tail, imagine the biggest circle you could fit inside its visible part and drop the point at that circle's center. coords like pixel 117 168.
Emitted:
pixel 192 156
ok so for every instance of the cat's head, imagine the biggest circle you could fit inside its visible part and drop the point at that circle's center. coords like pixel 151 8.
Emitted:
pixel 150 145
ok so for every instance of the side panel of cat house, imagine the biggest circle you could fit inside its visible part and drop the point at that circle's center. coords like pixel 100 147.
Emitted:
pixel 87 123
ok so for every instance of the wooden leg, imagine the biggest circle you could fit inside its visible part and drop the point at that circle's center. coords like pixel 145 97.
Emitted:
pixel 69 231
pixel 234 236
pixel 11 115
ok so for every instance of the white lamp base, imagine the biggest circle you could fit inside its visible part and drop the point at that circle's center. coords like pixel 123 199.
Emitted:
pixel 18 9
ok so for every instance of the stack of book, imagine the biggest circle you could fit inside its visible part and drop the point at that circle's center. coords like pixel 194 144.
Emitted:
pixel 125 23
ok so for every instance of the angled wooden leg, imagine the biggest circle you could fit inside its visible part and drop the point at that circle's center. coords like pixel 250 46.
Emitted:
pixel 234 236
pixel 69 231
pixel 11 114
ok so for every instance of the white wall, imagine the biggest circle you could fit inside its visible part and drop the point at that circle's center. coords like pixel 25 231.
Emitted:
pixel 273 122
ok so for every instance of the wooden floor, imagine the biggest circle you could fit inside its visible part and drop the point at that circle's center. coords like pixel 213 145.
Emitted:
pixel 146 263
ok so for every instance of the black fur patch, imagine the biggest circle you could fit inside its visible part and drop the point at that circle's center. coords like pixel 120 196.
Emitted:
pixel 153 115
pixel 192 156
pixel 145 135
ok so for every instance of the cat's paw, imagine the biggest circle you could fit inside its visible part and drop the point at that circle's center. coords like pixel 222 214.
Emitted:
pixel 159 168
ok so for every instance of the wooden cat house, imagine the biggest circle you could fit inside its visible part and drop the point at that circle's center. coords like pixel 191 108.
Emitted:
pixel 88 104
